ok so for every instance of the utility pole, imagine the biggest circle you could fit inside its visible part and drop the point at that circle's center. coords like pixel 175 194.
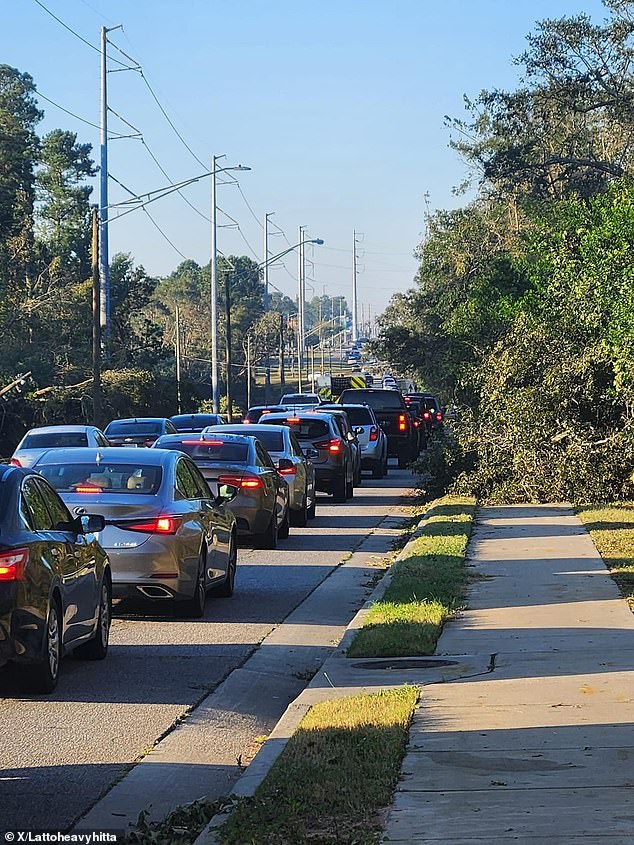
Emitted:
pixel 355 335
pixel 248 369
pixel 228 343
pixel 178 361
pixel 96 321
pixel 341 329
pixel 265 267
pixel 214 294
pixel 281 353
pixel 300 305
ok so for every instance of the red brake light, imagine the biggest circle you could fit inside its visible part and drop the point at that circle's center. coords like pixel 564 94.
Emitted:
pixel 15 462
pixel 206 442
pixel 416 423
pixel 265 412
pixel 12 564
pixel 87 488
pixel 333 445
pixel 160 525
pixel 374 433
pixel 426 415
pixel 287 471
pixel 293 419
pixel 439 416
pixel 408 399
pixel 245 482
pixel 402 422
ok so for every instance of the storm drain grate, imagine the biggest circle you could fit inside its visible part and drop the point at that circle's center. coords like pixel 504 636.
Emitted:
pixel 407 663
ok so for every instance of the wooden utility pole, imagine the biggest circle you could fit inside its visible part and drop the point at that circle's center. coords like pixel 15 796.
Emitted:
pixel 248 370
pixel 178 361
pixel 228 344
pixel 96 321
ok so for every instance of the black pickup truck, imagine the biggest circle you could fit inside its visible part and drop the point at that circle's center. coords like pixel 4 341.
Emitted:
pixel 394 418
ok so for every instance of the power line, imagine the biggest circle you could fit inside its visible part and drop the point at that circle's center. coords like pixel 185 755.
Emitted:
pixel 174 247
pixel 77 35
pixel 246 202
pixel 72 114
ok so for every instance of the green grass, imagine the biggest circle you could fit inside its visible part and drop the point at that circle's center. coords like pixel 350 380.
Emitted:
pixel 612 530
pixel 335 775
pixel 427 587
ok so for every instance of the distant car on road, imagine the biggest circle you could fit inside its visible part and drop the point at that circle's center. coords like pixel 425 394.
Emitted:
pixel 294 467
pixel 261 502
pixel 371 438
pixel 55 580
pixel 139 431
pixel 166 535
pixel 254 414
pixel 38 440
pixel 194 422
pixel 393 417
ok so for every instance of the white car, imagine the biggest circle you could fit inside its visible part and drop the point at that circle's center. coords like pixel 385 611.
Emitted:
pixel 39 440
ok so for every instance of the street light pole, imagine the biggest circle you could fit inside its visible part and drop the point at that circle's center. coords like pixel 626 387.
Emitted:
pixel 300 306
pixel 215 397
pixel 267 371
pixel 355 335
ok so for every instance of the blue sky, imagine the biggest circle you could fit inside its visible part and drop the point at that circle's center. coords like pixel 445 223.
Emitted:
pixel 337 107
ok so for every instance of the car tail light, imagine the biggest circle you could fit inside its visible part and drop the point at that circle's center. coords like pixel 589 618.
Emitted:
pixel 265 412
pixel 160 525
pixel 426 415
pixel 245 421
pixel 416 423
pixel 244 482
pixel 288 471
pixel 87 488
pixel 402 422
pixel 374 433
pixel 334 446
pixel 12 564
pixel 439 416
pixel 15 462
pixel 293 420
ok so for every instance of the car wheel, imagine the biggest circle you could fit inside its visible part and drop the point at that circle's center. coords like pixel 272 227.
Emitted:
pixel 402 461
pixel 340 489
pixel 349 489
pixel 194 607
pixel 284 528
pixel 378 469
pixel 268 538
pixel 311 512
pixel 225 590
pixel 357 477
pixel 300 518
pixel 42 676
pixel 97 648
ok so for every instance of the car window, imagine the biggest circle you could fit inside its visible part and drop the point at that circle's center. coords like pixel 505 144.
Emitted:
pixel 202 488
pixel 378 399
pixel 210 451
pixel 263 458
pixel 102 441
pixel 170 428
pixel 56 508
pixel 57 439
pixel 38 516
pixel 358 415
pixel 296 449
pixel 185 484
pixel 102 477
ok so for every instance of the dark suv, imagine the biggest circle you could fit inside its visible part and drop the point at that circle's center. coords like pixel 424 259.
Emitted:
pixel 321 440
pixel 393 417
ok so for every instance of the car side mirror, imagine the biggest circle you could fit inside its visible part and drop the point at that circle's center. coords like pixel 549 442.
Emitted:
pixel 284 463
pixel 91 523
pixel 358 430
pixel 226 494
pixel 311 453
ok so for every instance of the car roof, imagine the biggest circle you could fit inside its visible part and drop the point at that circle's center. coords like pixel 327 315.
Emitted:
pixel 193 416
pixel 111 454
pixel 250 430
pixel 139 420
pixel 309 415
pixel 51 429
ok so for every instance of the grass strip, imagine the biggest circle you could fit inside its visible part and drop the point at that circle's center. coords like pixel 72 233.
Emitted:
pixel 335 775
pixel 427 587
pixel 612 530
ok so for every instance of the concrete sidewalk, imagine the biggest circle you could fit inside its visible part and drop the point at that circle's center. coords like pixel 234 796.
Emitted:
pixel 541 748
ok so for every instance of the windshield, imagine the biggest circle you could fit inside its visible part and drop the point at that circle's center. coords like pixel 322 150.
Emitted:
pixel 300 399
pixel 55 439
pixel 273 441
pixel 129 428
pixel 304 427
pixel 103 477
pixel 210 451
pixel 378 400
pixel 358 415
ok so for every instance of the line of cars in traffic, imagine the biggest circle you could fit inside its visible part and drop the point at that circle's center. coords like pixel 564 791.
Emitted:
pixel 153 508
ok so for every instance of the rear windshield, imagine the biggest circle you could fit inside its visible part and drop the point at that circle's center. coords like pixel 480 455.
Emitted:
pixel 55 439
pixel 379 400
pixel 254 414
pixel 304 427
pixel 273 441
pixel 300 399
pixel 103 477
pixel 210 451
pixel 358 415
pixel 188 422
pixel 139 429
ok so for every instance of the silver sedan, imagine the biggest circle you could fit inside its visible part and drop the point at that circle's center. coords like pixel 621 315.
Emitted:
pixel 166 535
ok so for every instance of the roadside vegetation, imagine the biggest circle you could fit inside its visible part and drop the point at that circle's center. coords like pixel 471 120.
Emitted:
pixel 522 312
pixel 334 777
pixel 426 588
pixel 612 530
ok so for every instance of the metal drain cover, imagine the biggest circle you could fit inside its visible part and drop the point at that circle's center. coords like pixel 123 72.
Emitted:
pixel 404 663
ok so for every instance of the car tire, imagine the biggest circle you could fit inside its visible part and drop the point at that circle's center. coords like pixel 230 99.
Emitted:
pixel 349 489
pixel 378 469
pixel 268 539
pixel 340 489
pixel 43 676
pixel 402 461
pixel 225 589
pixel 284 529
pixel 97 648
pixel 312 510
pixel 357 477
pixel 194 607
pixel 299 518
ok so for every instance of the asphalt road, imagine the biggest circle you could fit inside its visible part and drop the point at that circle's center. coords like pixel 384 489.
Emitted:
pixel 60 754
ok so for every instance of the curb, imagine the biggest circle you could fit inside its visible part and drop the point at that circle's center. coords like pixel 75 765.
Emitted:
pixel 263 761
